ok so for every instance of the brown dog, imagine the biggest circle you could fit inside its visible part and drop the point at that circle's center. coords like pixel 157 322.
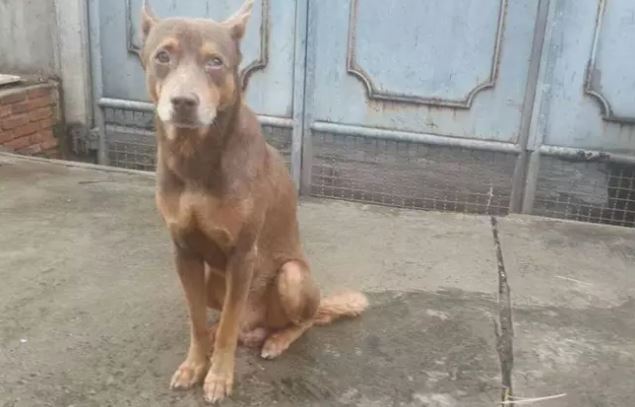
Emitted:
pixel 229 203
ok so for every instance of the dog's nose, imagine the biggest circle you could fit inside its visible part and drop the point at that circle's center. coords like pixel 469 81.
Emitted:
pixel 184 103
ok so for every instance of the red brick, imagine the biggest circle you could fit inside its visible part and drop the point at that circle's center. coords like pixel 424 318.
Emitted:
pixel 41 113
pixel 6 135
pixel 26 129
pixel 44 135
pixel 49 144
pixel 39 92
pixel 14 121
pixel 42 101
pixel 21 107
pixel 13 98
pixel 47 123
pixel 34 149
pixel 5 111
pixel 37 138
pixel 18 143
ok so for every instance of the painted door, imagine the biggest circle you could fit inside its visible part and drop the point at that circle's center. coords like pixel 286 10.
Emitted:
pixel 400 95
pixel 584 117
pixel 481 106
pixel 268 67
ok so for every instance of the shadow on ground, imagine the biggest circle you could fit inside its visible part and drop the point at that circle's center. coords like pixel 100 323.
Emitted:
pixel 409 349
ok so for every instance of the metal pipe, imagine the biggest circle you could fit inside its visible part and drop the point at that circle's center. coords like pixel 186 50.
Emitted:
pixel 97 80
pixel 424 138
pixel 149 107
pixel 299 76
pixel 586 155
pixel 531 182
pixel 126 104
pixel 275 121
pixel 309 102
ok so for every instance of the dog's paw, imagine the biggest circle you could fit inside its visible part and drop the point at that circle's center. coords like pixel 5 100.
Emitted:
pixel 217 386
pixel 273 347
pixel 188 374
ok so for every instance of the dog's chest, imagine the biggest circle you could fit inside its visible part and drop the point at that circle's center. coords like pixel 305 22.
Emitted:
pixel 191 213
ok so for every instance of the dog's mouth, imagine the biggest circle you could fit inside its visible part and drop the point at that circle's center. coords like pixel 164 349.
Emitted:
pixel 193 120
pixel 182 124
pixel 185 113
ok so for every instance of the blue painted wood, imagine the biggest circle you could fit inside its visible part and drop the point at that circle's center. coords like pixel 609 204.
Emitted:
pixel 422 66
pixel 427 59
pixel 586 89
pixel 271 82
pixel 457 69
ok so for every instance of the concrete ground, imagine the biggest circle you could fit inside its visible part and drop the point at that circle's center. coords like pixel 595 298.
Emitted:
pixel 91 312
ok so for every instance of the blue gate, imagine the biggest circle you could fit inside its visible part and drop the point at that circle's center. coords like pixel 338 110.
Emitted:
pixel 480 106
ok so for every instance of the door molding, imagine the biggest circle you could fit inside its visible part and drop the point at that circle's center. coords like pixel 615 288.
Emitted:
pixel 257 64
pixel 356 70
pixel 591 79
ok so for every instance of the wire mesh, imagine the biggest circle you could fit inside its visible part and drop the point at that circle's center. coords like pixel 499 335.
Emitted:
pixel 411 175
pixel 419 176
pixel 130 141
pixel 281 139
pixel 596 192
pixel 131 148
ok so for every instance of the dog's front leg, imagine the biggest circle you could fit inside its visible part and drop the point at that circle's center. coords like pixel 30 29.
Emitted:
pixel 240 266
pixel 191 271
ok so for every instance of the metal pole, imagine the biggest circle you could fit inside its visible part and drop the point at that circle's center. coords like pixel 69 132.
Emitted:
pixel 299 77
pixel 309 85
pixel 519 178
pixel 95 59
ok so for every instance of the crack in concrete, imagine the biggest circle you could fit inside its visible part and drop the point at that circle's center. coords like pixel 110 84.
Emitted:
pixel 503 328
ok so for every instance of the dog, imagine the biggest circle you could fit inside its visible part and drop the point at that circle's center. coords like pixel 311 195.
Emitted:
pixel 228 202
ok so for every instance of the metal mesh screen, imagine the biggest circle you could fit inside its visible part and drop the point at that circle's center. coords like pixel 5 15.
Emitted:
pixel 598 192
pixel 130 139
pixel 419 176
pixel 411 175
pixel 281 139
pixel 131 148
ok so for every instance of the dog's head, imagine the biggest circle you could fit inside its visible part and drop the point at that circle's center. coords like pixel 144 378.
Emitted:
pixel 192 65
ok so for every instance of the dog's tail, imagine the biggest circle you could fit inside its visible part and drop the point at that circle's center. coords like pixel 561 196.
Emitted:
pixel 347 304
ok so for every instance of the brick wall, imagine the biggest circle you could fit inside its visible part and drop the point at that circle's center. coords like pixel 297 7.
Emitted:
pixel 29 117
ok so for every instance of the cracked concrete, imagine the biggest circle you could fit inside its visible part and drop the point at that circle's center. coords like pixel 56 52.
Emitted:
pixel 504 326
pixel 573 295
pixel 92 314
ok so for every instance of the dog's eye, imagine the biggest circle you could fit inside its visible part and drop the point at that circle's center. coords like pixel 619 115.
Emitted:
pixel 163 57
pixel 214 62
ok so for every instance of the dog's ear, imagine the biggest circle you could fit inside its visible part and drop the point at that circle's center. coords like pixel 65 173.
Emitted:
pixel 148 19
pixel 238 22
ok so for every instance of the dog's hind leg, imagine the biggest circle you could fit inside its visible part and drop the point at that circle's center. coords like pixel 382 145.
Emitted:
pixel 299 298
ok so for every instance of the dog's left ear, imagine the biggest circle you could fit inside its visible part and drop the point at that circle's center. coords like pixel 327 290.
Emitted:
pixel 148 20
pixel 238 22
